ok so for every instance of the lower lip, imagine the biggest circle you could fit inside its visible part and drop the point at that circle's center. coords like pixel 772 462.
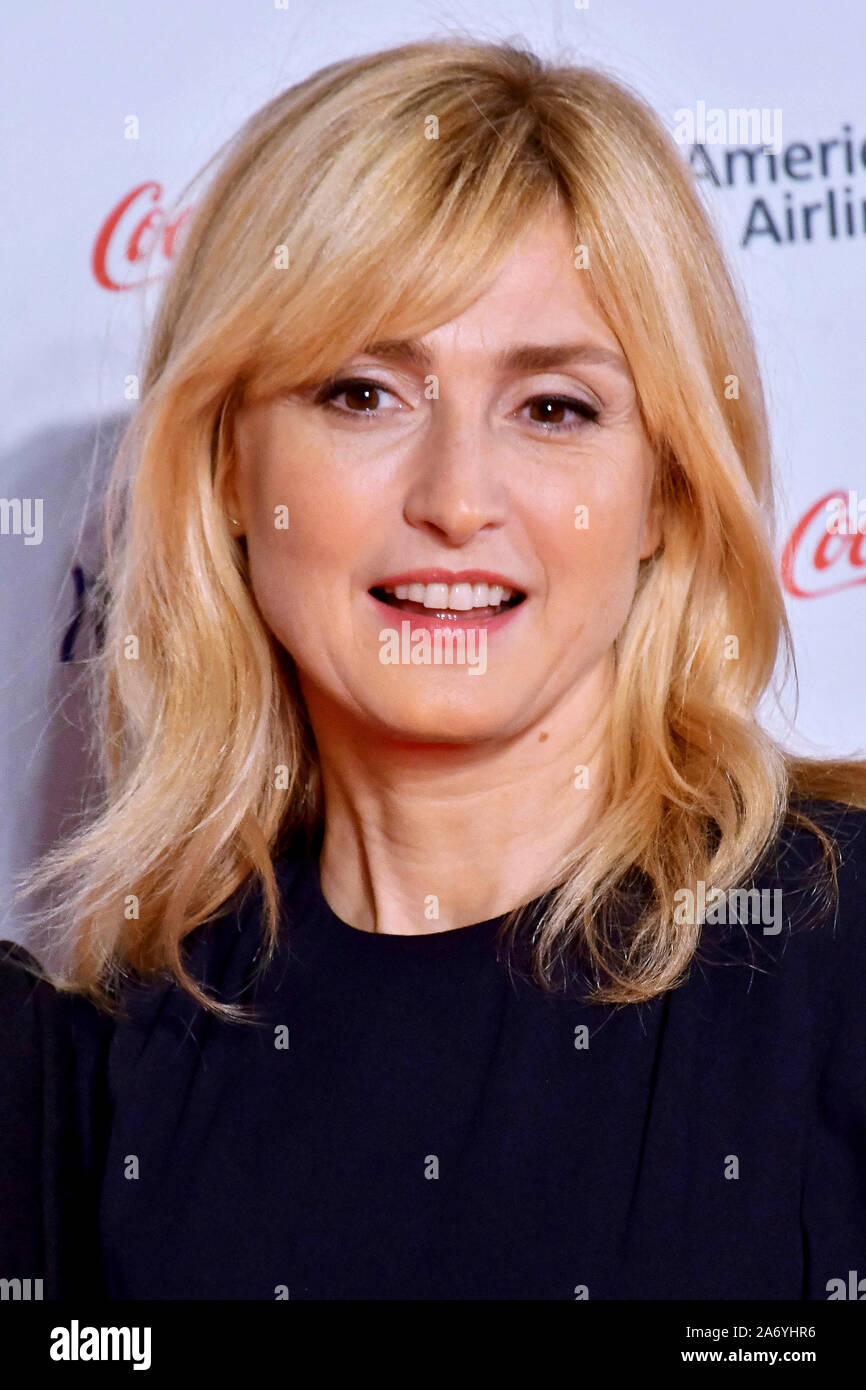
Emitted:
pixel 432 623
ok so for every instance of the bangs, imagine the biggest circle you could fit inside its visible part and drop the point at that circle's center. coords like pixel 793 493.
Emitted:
pixel 394 265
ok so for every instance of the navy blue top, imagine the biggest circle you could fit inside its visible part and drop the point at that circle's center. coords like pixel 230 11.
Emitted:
pixel 410 1119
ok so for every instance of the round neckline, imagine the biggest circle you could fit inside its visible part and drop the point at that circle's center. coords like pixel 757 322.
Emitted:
pixel 394 942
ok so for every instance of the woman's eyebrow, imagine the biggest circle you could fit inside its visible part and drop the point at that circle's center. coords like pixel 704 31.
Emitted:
pixel 522 357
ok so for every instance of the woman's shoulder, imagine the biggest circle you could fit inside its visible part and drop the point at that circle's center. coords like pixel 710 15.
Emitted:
pixel 30 1011
pixel 37 1017
pixel 818 871
pixel 50 1043
pixel 34 1009
pixel 796 921
pixel 843 823
pixel 831 956
pixel 821 852
pixel 51 1038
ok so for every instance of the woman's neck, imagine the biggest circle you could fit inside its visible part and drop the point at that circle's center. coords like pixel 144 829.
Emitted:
pixel 425 837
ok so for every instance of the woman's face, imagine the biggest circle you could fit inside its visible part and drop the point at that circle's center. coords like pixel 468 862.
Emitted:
pixel 507 449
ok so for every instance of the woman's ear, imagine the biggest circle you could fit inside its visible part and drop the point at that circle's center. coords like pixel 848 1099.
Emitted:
pixel 226 490
pixel 228 500
pixel 231 501
pixel 652 530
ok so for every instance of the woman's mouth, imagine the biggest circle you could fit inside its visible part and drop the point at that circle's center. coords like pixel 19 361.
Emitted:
pixel 455 603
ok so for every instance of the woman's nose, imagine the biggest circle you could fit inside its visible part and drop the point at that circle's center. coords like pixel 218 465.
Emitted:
pixel 456 485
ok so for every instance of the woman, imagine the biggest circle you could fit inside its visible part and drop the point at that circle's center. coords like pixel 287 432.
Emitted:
pixel 531 969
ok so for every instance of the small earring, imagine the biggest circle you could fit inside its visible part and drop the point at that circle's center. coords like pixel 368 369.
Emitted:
pixel 233 522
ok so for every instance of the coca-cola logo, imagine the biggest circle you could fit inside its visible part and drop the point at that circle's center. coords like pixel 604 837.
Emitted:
pixel 823 556
pixel 136 229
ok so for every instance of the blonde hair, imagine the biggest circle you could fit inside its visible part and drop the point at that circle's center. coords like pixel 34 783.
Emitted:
pixel 339 172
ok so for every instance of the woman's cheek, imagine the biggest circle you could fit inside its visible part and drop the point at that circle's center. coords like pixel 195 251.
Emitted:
pixel 595 571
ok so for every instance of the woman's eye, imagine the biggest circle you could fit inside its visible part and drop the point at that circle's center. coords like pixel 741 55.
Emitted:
pixel 361 397
pixel 561 412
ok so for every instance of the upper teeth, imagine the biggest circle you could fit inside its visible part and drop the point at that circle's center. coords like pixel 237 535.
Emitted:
pixel 460 597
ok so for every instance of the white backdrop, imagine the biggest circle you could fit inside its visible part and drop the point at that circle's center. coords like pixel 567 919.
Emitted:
pixel 78 193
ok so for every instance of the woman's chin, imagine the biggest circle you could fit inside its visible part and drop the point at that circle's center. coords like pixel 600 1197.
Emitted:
pixel 457 718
